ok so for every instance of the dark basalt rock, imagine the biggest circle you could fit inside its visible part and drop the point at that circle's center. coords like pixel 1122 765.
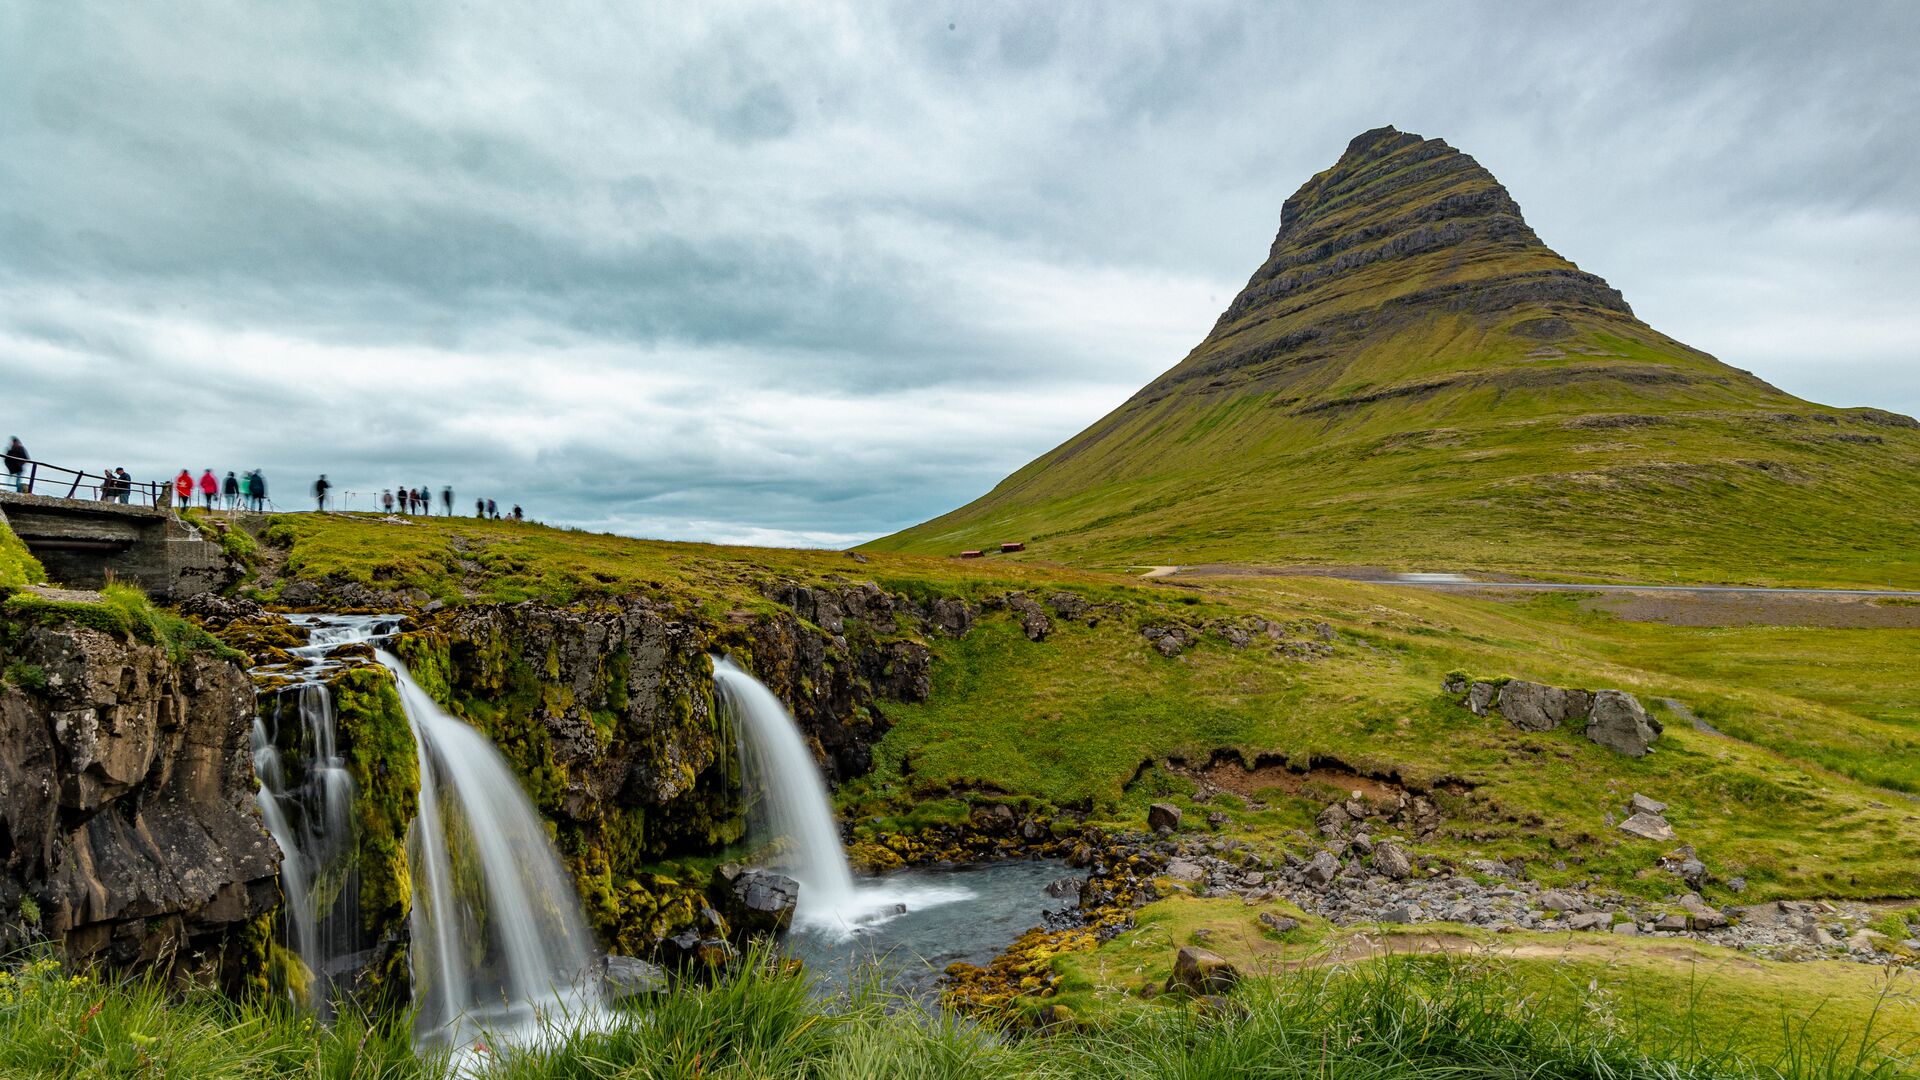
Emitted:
pixel 755 901
pixel 126 804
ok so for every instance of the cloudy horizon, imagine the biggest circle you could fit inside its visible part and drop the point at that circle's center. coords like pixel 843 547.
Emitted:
pixel 783 275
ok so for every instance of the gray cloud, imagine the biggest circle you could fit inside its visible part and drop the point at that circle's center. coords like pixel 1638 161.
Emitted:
pixel 772 274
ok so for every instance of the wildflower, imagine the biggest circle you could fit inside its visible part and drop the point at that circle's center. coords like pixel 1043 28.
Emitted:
pixel 141 1040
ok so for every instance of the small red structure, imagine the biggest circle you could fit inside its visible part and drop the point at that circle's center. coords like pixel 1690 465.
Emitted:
pixel 970 554
pixel 1013 545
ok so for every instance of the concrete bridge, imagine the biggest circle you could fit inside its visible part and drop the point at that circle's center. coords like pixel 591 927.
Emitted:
pixel 85 544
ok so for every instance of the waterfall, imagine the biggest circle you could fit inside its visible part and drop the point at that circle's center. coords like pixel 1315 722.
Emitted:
pixel 786 789
pixel 777 765
pixel 500 951
pixel 310 815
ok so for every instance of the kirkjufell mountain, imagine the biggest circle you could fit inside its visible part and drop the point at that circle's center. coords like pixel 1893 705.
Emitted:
pixel 1414 380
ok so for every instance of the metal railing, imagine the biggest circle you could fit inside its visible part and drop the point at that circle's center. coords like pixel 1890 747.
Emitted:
pixel 52 481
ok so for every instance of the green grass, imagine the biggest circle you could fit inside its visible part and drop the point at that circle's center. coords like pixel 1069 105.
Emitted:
pixel 124 612
pixel 1795 811
pixel 237 542
pixel 1678 1001
pixel 1803 800
pixel 18 567
pixel 1399 1017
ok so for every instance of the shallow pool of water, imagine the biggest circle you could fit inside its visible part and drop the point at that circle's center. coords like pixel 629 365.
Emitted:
pixel 984 907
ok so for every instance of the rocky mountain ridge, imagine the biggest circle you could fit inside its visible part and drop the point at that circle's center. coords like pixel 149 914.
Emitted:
pixel 1411 374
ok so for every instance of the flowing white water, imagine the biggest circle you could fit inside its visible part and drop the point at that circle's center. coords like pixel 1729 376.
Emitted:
pixel 312 821
pixel 501 955
pixel 791 795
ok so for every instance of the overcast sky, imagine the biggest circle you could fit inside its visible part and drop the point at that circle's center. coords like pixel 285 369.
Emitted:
pixel 806 274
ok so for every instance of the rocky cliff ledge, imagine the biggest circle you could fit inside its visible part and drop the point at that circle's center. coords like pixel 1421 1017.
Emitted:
pixel 607 711
pixel 605 708
pixel 128 829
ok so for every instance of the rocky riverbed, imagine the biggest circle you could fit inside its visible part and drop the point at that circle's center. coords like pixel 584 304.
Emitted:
pixel 1350 877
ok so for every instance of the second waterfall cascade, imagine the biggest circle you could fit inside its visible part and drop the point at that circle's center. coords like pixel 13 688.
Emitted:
pixel 500 949
pixel 788 797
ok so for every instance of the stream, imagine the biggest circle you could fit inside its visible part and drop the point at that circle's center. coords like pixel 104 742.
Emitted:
pixel 908 953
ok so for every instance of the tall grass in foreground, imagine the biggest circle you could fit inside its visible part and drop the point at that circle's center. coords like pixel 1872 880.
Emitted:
pixel 1392 1018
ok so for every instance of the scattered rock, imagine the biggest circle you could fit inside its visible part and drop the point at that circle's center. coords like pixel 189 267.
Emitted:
pixel 1279 924
pixel 1626 929
pixel 1647 827
pixel 1480 697
pixel 761 902
pixel 1322 869
pixel 1390 861
pixel 1399 913
pixel 629 977
pixel 1693 872
pixel 1590 920
pixel 1068 605
pixel 1066 887
pixel 689 951
pixel 1700 915
pixel 1033 621
pixel 1333 821
pixel 1640 804
pixel 1200 972
pixel 997 819
pixel 1619 723
pixel 1185 870
pixel 1532 706
pixel 1555 900
pixel 1163 817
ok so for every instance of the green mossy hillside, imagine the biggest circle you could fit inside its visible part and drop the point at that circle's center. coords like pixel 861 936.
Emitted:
pixel 1414 381
pixel 1800 792
pixel 18 567
pixel 122 611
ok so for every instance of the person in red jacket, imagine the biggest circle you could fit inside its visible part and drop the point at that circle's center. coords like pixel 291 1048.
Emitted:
pixel 209 488
pixel 183 489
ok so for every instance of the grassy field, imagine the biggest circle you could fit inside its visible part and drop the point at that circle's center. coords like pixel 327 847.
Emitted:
pixel 1398 1017
pixel 1802 799
pixel 1804 794
pixel 1677 999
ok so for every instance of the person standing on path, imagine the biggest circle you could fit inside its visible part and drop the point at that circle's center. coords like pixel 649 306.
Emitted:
pixel 386 500
pixel 183 489
pixel 493 511
pixel 209 488
pixel 320 489
pixel 446 498
pixel 230 487
pixel 259 491
pixel 122 484
pixel 17 458
pixel 479 508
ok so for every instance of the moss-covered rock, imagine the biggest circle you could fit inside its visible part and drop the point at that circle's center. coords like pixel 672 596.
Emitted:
pixel 380 754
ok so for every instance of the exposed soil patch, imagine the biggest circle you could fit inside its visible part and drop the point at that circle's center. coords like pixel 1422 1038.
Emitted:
pixel 1758 609
pixel 1267 775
